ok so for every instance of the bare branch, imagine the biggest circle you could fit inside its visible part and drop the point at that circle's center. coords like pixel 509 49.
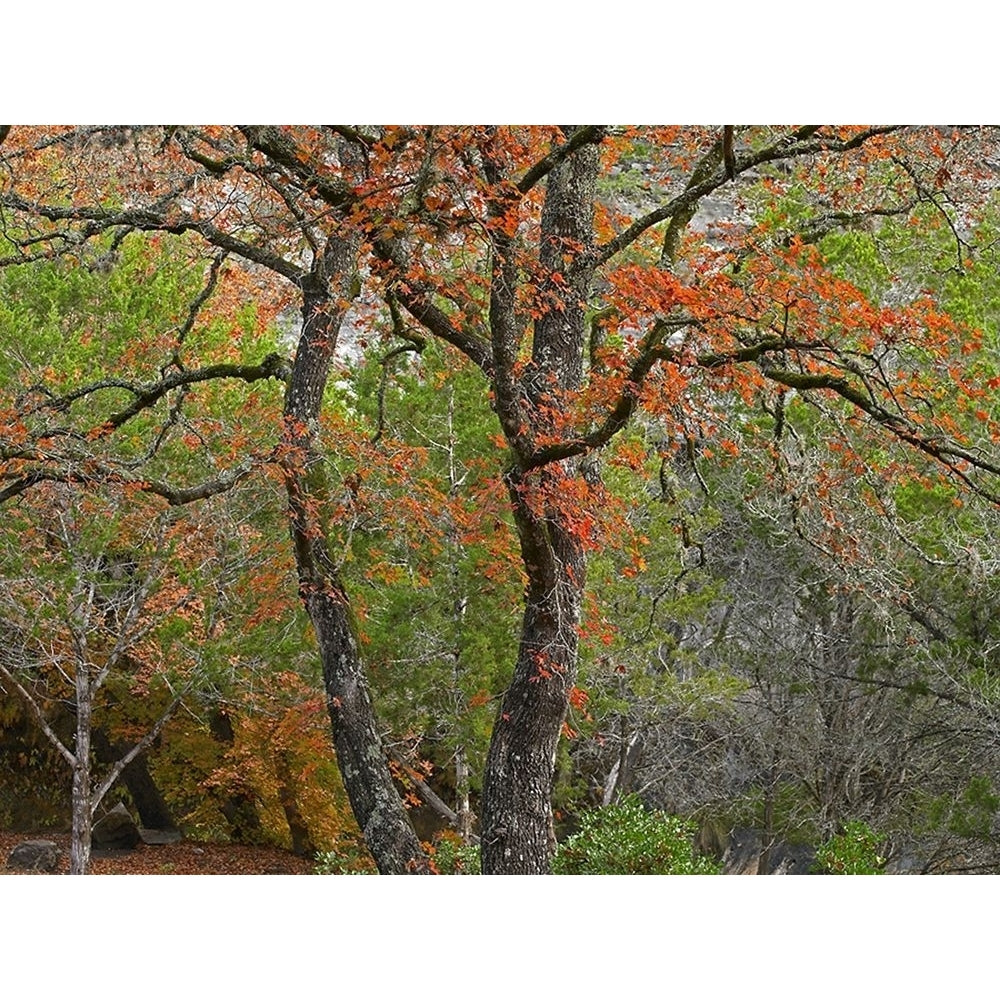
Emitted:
pixel 96 220
pixel 417 300
pixel 149 393
pixel 36 711
pixel 203 296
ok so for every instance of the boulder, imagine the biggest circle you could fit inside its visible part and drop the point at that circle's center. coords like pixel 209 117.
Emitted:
pixel 746 850
pixel 34 855
pixel 116 830
pixel 157 837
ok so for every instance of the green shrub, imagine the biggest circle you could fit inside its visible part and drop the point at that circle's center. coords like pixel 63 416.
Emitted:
pixel 627 839
pixel 349 861
pixel 853 852
pixel 452 857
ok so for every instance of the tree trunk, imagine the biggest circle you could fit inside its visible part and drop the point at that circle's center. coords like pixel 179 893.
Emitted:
pixel 620 776
pixel 298 828
pixel 374 798
pixel 518 836
pixel 79 854
pixel 463 806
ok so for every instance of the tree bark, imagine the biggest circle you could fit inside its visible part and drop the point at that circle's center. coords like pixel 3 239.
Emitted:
pixel 374 798
pixel 83 815
pixel 518 836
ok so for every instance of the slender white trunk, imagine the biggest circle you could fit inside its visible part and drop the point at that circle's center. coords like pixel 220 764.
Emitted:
pixel 79 859
pixel 462 786
pixel 463 776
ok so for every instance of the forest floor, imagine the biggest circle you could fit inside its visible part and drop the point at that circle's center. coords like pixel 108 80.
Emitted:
pixel 186 857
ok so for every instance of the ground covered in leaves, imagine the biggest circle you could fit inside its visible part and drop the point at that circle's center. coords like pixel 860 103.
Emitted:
pixel 183 858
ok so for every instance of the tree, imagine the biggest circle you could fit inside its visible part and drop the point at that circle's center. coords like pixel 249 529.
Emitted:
pixel 577 313
pixel 79 615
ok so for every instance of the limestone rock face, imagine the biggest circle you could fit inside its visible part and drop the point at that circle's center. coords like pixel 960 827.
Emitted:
pixel 34 855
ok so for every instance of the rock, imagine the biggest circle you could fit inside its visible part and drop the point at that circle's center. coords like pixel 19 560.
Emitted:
pixel 746 851
pixel 115 830
pixel 158 837
pixel 793 859
pixel 742 855
pixel 34 855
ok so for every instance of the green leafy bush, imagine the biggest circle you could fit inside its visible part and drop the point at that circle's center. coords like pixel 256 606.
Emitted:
pixel 452 857
pixel 347 861
pixel 853 852
pixel 627 839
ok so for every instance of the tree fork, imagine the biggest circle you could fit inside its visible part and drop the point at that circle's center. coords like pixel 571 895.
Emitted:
pixel 518 835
